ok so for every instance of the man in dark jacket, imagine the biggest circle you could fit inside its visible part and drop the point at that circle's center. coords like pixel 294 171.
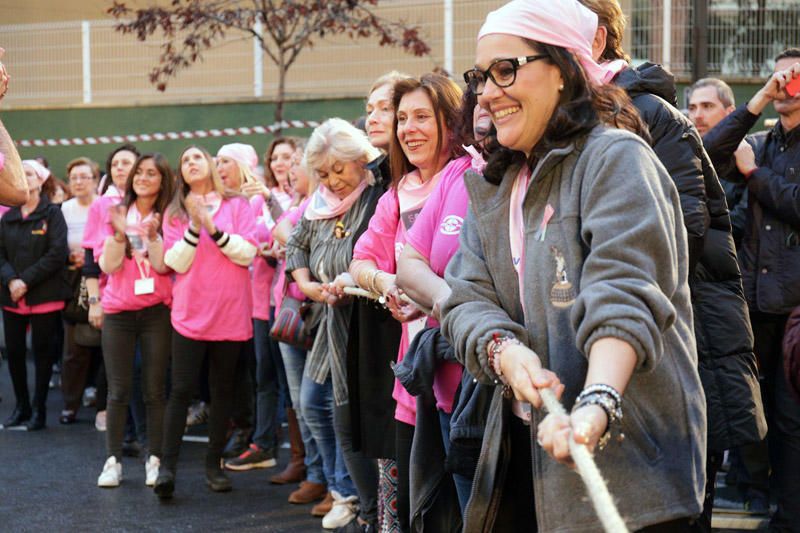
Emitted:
pixel 727 365
pixel 770 259
pixel 711 100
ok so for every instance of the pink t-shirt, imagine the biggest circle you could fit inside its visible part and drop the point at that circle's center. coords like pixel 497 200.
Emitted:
pixel 93 231
pixel 212 301
pixel 119 291
pixel 435 235
pixel 293 215
pixel 3 210
pixel 263 272
pixel 39 309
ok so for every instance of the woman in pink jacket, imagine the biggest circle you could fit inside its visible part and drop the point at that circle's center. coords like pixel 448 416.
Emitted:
pixel 210 241
pixel 427 112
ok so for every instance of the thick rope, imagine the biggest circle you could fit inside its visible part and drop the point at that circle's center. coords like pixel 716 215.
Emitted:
pixel 586 467
pixel 362 293
pixel 584 463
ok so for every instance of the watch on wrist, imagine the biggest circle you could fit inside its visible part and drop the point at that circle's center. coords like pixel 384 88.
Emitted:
pixel 94 300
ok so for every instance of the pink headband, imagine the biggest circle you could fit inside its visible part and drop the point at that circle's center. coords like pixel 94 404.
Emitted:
pixel 563 23
pixel 41 171
pixel 242 153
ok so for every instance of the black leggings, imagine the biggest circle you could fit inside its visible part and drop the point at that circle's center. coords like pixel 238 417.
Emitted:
pixel 404 437
pixel 187 361
pixel 43 329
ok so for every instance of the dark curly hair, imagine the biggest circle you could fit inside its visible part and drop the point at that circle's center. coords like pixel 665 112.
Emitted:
pixel 581 107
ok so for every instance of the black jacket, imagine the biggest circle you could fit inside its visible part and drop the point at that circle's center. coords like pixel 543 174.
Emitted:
pixel 727 364
pixel 729 176
pixel 679 148
pixel 770 250
pixel 372 345
pixel 35 250
pixel 434 506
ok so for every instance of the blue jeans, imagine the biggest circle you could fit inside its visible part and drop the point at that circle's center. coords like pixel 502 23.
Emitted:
pixel 268 359
pixel 316 402
pixel 463 483
pixel 294 361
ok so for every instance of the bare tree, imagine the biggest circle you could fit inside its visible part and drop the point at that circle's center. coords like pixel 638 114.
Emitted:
pixel 191 27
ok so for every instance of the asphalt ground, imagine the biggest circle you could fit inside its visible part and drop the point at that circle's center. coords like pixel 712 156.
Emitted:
pixel 48 483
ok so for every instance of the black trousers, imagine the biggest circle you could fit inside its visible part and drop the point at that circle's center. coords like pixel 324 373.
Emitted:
pixel 783 420
pixel 43 328
pixel 404 437
pixel 149 327
pixel 187 361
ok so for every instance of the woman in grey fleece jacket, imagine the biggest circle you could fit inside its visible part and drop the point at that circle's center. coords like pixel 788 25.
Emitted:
pixel 605 300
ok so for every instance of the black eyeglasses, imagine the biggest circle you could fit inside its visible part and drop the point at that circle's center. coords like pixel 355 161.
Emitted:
pixel 502 72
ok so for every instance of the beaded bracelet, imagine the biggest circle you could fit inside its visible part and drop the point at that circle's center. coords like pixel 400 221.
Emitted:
pixel 496 347
pixel 610 401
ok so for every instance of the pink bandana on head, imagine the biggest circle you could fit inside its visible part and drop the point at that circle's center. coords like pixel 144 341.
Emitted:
pixel 241 153
pixel 563 23
pixel 41 171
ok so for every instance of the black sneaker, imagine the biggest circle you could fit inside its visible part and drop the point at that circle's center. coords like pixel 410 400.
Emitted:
pixel 237 444
pixel 253 457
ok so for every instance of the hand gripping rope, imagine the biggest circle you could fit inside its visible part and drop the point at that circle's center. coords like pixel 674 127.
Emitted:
pixel 596 487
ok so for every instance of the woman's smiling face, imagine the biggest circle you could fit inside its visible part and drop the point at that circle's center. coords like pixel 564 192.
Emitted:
pixel 417 129
pixel 522 111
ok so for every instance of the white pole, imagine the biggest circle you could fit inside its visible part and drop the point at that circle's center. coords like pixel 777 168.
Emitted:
pixel 87 62
pixel 258 64
pixel 448 36
pixel 666 38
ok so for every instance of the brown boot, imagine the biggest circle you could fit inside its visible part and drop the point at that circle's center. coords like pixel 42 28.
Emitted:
pixel 308 492
pixel 323 507
pixel 295 470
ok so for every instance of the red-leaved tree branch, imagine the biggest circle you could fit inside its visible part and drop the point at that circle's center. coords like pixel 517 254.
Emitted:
pixel 190 27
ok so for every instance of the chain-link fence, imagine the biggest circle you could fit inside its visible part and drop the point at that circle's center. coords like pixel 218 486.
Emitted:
pixel 744 36
pixel 89 62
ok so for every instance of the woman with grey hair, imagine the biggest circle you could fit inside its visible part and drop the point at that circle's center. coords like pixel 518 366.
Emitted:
pixel 320 250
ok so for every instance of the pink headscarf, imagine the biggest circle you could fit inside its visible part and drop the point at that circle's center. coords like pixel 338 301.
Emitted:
pixel 41 171
pixel 243 154
pixel 564 23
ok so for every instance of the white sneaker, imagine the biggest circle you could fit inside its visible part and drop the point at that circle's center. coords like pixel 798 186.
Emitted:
pixel 343 512
pixel 111 475
pixel 151 470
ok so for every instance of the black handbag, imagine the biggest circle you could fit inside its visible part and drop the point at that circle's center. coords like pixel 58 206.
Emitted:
pixel 87 335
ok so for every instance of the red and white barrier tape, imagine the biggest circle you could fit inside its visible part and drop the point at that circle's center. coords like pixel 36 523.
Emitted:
pixel 169 136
